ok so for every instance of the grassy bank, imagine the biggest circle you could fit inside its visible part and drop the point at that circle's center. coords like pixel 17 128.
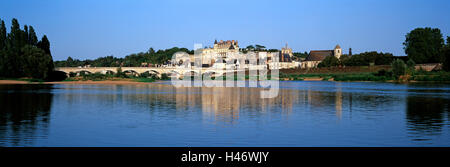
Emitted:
pixel 336 77
pixel 434 76
pixel 31 80
pixel 364 73
pixel 115 77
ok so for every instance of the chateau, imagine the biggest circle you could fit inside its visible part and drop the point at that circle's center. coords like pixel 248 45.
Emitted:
pixel 226 54
pixel 223 47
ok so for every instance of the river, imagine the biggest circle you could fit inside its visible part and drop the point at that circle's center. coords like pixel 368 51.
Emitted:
pixel 305 113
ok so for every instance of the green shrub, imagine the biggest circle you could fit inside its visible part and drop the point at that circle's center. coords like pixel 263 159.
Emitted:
pixel 164 76
pixel 398 68
pixel 411 64
pixel 329 61
pixel 360 77
pixel 72 74
pixel 326 78
pixel 145 79
pixel 120 73
pixel 95 76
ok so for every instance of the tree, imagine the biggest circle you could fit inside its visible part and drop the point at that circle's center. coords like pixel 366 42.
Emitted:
pixel 69 62
pixel 446 56
pixel 423 45
pixel 344 58
pixel 44 44
pixel 2 35
pixel 3 41
pixel 32 38
pixel 151 51
pixel 398 68
pixel 300 56
pixel 410 64
pixel 15 42
pixel 25 34
pixel 19 54
pixel 250 47
pixel 16 36
pixel 364 59
pixel 120 73
pixel 259 47
pixel 329 61
pixel 36 62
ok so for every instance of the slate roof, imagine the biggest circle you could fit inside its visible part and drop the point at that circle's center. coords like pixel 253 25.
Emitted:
pixel 319 55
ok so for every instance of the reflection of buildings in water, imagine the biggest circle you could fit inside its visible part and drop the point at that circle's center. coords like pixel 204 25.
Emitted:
pixel 328 100
pixel 187 97
pixel 320 99
pixel 338 101
pixel 24 113
pixel 287 99
pixel 226 103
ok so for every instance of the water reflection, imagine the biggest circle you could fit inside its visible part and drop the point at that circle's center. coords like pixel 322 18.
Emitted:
pixel 426 115
pixel 225 104
pixel 303 114
pixel 24 113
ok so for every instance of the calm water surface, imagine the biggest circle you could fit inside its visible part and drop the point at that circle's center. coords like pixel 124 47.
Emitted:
pixel 304 114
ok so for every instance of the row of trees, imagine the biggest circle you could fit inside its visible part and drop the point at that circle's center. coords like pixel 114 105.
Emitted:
pixel 422 45
pixel 136 59
pixel 446 57
pixel 22 54
pixel 299 56
pixel 257 48
pixel 427 45
pixel 362 59
pixel 132 60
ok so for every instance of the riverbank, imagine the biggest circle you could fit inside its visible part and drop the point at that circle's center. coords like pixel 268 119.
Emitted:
pixel 363 73
pixel 380 76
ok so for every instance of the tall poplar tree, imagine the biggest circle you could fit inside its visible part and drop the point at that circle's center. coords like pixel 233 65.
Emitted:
pixel 2 35
pixel 3 58
pixel 32 38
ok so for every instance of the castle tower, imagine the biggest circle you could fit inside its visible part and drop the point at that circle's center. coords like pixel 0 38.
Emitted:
pixel 350 52
pixel 287 50
pixel 338 51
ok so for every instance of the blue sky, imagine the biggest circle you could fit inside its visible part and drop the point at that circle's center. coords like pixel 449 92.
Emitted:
pixel 90 29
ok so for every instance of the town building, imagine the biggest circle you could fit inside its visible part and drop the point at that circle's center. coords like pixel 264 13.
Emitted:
pixel 226 54
pixel 317 56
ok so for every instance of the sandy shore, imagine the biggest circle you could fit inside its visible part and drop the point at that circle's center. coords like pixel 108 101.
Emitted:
pixel 312 79
pixel 13 82
pixel 304 79
pixel 73 82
